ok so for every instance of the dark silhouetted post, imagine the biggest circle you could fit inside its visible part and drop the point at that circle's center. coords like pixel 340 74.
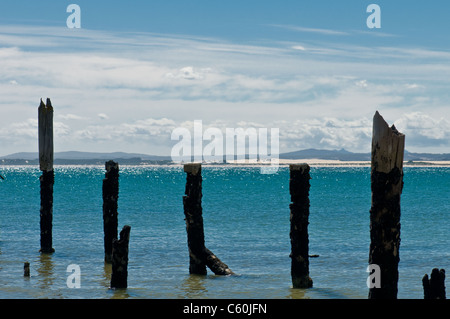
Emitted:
pixel 387 183
pixel 434 287
pixel 119 275
pixel 47 179
pixel 217 266
pixel 299 190
pixel 192 203
pixel 26 269
pixel 199 255
pixel 110 197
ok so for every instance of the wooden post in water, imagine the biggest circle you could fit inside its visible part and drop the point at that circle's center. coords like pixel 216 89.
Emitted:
pixel 299 207
pixel 387 183
pixel 26 269
pixel 192 203
pixel 434 287
pixel 110 190
pixel 119 275
pixel 199 255
pixel 47 179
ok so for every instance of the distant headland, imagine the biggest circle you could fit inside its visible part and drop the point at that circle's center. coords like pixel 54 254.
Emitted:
pixel 313 156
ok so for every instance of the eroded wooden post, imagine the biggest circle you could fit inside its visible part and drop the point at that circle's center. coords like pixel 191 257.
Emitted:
pixel 199 256
pixel 47 179
pixel 26 269
pixel 299 189
pixel 192 204
pixel 119 275
pixel 387 183
pixel 434 287
pixel 110 198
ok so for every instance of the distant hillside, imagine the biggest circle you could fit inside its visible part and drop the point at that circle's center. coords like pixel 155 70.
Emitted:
pixel 74 155
pixel 340 155
pixel 85 158
pixel 343 155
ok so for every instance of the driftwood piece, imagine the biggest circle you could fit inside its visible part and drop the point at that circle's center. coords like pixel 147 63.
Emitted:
pixel 119 275
pixel 299 189
pixel 199 256
pixel 386 183
pixel 110 193
pixel 434 287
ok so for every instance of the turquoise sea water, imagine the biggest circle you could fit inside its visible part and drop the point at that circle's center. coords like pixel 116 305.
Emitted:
pixel 246 220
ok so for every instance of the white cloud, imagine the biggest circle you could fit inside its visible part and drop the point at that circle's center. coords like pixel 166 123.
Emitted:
pixel 310 30
pixel 69 116
pixel 188 73
pixel 423 130
pixel 332 87
pixel 299 47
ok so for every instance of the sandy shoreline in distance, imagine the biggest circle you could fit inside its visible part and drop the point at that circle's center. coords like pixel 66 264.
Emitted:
pixel 337 163
pixel 318 163
pixel 282 163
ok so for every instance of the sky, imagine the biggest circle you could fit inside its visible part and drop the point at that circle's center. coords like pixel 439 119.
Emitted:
pixel 136 70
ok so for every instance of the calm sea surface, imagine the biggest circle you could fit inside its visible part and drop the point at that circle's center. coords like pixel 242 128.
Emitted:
pixel 246 220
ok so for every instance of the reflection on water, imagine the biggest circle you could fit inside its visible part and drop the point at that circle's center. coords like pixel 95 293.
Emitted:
pixel 45 271
pixel 119 293
pixel 295 293
pixel 193 286
pixel 107 271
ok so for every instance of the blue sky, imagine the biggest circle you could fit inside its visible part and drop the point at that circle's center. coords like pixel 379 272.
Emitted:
pixel 136 70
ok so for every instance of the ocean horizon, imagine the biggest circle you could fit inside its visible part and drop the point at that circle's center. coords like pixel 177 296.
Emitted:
pixel 246 221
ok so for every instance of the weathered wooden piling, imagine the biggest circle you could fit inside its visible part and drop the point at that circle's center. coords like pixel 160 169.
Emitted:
pixel 26 269
pixel 217 266
pixel 110 190
pixel 47 179
pixel 199 256
pixel 192 204
pixel 119 275
pixel 386 183
pixel 434 287
pixel 299 189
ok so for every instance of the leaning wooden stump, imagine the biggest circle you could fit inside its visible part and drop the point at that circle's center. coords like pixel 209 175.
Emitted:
pixel 386 183
pixel 299 207
pixel 199 256
pixel 217 266
pixel 434 287
pixel 119 275
pixel 47 179
pixel 110 191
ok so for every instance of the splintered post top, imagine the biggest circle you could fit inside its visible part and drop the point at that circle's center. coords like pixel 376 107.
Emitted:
pixel 45 132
